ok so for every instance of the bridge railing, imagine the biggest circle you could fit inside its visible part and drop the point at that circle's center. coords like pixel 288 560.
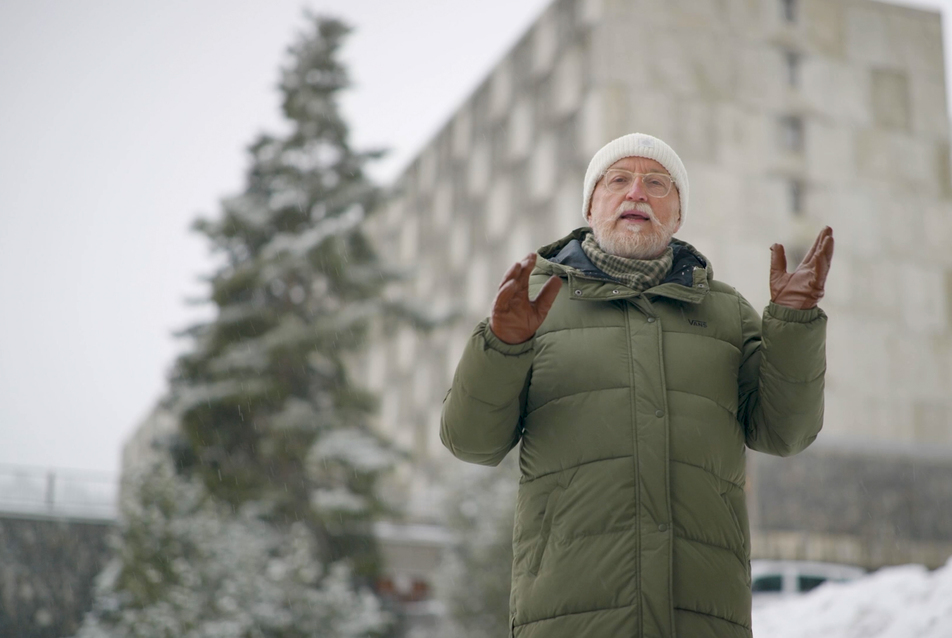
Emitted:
pixel 58 492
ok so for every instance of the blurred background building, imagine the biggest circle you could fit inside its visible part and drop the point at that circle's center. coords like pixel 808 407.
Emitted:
pixel 789 115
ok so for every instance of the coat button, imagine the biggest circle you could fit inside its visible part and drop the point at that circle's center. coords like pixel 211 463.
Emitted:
pixel 578 293
pixel 650 319
pixel 659 414
pixel 662 528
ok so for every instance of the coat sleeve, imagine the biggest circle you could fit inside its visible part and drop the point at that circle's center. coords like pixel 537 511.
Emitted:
pixel 781 378
pixel 482 412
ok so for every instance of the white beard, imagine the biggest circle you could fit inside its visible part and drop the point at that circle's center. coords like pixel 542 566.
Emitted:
pixel 630 241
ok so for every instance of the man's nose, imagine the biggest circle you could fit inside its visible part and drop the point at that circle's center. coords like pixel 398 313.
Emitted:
pixel 637 192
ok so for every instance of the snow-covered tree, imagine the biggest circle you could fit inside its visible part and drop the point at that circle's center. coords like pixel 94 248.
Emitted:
pixel 262 526
pixel 188 565
pixel 474 576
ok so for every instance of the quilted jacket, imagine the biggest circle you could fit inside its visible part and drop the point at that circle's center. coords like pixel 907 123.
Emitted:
pixel 632 412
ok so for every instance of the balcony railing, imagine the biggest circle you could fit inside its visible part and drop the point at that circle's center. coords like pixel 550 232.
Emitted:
pixel 57 493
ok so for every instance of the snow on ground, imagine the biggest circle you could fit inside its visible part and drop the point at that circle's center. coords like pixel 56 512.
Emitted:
pixel 908 601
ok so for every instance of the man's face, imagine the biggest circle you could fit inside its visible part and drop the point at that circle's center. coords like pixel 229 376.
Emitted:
pixel 631 223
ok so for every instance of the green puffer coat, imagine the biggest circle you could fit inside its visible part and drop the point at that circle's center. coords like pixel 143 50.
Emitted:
pixel 634 411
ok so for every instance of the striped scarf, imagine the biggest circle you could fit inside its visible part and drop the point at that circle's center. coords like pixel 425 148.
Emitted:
pixel 637 274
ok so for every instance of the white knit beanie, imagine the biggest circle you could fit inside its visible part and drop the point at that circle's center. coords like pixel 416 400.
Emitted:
pixel 635 145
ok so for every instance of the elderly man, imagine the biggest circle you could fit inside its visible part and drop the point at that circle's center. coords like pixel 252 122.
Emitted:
pixel 634 390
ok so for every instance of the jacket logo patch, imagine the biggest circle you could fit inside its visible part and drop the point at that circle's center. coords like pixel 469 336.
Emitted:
pixel 698 322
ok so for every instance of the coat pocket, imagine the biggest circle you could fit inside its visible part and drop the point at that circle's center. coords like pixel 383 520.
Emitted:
pixel 550 504
pixel 740 534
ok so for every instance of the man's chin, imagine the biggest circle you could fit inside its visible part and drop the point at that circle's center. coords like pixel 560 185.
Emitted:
pixel 632 245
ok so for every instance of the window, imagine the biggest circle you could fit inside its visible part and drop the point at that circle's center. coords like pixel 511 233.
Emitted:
pixel 767 583
pixel 795 196
pixel 791 133
pixel 789 10
pixel 892 106
pixel 792 62
pixel 806 583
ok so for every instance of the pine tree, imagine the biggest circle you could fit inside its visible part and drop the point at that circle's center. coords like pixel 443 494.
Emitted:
pixel 273 447
pixel 265 403
pixel 473 581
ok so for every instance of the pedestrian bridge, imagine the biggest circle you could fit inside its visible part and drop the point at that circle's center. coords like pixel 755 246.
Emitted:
pixel 37 492
pixel 54 530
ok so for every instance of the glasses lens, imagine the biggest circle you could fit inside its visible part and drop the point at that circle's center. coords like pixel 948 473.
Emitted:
pixel 657 185
pixel 618 180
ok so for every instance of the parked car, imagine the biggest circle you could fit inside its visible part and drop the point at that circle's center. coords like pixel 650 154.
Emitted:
pixel 776 578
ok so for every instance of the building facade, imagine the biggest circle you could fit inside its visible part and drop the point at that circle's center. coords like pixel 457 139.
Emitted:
pixel 789 115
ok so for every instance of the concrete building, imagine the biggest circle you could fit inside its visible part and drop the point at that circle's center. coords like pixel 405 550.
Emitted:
pixel 789 115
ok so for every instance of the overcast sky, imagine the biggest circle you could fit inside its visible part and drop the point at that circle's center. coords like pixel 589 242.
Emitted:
pixel 120 122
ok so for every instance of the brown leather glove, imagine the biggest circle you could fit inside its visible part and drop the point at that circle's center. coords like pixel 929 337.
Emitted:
pixel 802 288
pixel 514 317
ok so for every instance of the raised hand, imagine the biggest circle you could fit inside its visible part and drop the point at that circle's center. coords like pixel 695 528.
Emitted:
pixel 514 317
pixel 802 288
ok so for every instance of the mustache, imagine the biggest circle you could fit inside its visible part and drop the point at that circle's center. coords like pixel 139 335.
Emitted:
pixel 641 207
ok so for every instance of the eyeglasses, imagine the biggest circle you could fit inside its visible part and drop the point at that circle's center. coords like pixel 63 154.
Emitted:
pixel 618 180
